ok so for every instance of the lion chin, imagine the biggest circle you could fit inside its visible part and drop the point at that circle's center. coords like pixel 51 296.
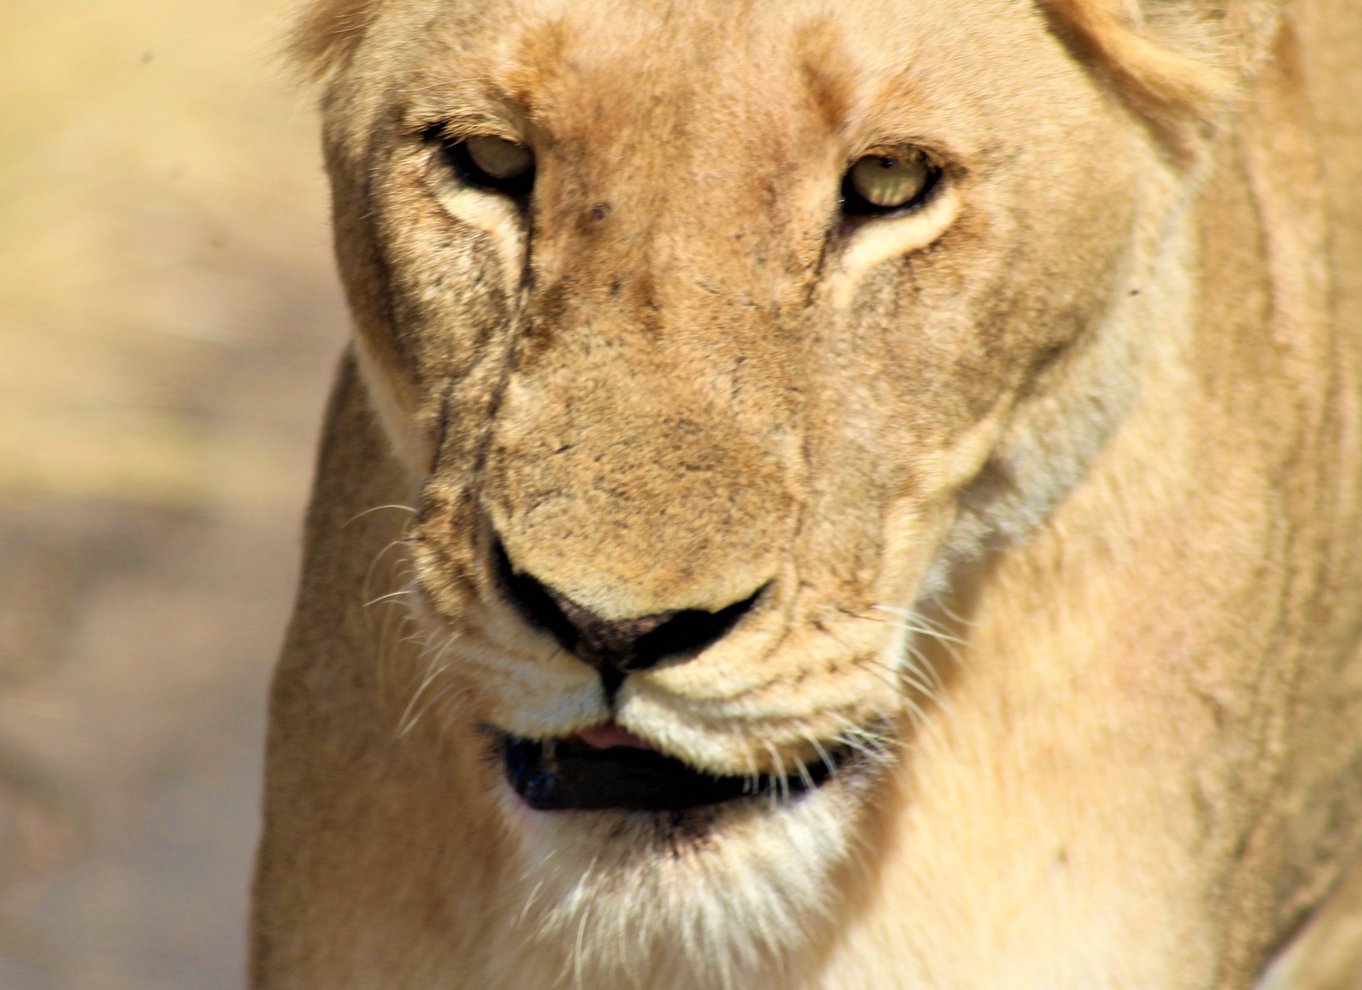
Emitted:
pixel 828 496
pixel 737 864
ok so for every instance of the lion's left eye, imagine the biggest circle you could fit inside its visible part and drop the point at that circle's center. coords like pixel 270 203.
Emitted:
pixel 888 183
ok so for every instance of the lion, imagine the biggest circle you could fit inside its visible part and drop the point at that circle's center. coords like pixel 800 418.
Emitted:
pixel 827 496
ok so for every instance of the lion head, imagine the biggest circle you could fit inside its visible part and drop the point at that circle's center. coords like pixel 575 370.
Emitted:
pixel 714 342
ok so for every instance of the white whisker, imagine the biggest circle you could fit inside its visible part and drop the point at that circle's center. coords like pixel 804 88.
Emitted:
pixel 437 667
pixel 916 622
pixel 803 770
pixel 397 564
pixel 390 596
pixel 377 508
pixel 824 757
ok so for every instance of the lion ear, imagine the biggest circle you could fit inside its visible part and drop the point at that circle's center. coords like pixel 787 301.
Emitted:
pixel 327 32
pixel 1179 62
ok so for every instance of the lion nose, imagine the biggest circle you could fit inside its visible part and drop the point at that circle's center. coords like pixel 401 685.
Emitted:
pixel 615 646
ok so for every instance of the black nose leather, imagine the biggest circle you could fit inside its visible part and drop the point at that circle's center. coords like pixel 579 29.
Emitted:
pixel 622 645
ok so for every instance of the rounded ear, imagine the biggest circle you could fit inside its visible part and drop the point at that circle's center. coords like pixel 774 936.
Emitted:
pixel 327 32
pixel 1179 63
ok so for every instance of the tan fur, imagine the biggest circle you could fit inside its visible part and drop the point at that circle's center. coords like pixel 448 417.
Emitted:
pixel 1055 486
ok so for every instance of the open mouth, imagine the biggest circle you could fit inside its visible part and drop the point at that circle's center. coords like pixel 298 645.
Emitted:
pixel 576 775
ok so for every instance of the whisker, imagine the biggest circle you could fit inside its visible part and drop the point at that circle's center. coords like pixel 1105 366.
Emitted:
pixel 780 792
pixel 578 961
pixel 916 622
pixel 910 674
pixel 529 903
pixel 887 676
pixel 939 604
pixel 397 567
pixel 923 667
pixel 395 624
pixel 863 740
pixel 824 757
pixel 437 667
pixel 377 508
pixel 390 596
pixel 452 692
pixel 803 770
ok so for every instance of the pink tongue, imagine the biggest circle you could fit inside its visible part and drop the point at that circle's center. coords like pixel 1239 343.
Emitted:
pixel 611 734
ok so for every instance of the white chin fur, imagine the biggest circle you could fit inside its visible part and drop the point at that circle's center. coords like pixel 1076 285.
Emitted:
pixel 633 899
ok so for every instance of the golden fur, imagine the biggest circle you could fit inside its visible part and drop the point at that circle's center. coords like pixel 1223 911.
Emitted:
pixel 1052 486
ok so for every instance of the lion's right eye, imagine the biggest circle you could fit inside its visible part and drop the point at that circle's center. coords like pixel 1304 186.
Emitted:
pixel 493 163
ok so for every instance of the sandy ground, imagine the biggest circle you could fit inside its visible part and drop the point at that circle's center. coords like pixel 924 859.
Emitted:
pixel 168 323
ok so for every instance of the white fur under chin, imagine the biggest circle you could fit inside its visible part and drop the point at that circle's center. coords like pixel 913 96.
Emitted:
pixel 605 899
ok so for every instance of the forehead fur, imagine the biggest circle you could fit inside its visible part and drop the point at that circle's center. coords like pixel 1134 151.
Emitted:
pixel 1176 62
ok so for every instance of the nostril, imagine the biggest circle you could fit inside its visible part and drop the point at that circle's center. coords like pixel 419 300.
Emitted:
pixel 623 644
pixel 536 604
pixel 688 631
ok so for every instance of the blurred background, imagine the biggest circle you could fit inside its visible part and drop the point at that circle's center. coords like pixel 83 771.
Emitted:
pixel 168 324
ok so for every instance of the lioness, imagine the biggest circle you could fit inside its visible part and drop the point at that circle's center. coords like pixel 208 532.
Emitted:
pixel 834 496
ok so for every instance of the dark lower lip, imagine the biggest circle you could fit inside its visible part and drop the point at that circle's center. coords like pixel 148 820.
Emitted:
pixel 569 775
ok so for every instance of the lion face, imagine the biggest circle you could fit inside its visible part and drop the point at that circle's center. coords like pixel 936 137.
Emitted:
pixel 717 338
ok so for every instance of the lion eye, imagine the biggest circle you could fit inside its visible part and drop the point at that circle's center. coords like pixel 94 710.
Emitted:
pixel 493 163
pixel 889 183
